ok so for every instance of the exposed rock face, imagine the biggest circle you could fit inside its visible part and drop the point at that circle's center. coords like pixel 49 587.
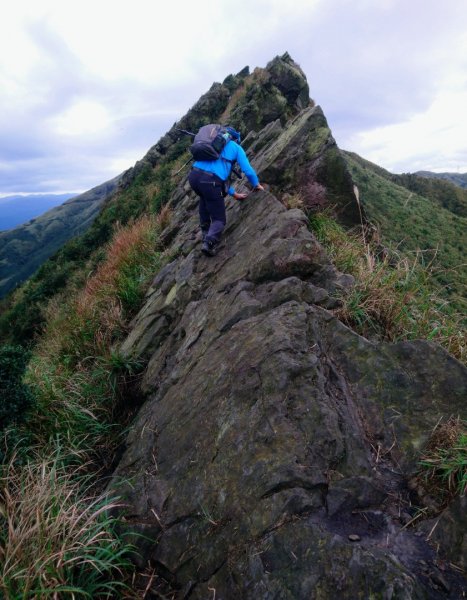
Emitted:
pixel 267 459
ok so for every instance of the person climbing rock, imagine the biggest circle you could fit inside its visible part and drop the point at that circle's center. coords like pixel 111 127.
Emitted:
pixel 209 180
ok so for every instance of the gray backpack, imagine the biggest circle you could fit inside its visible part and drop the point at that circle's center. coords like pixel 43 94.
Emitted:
pixel 209 142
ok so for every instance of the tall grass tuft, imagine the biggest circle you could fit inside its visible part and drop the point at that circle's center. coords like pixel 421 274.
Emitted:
pixel 444 460
pixel 74 372
pixel 56 540
pixel 391 299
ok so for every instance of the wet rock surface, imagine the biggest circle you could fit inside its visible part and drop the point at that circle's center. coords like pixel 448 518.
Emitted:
pixel 268 459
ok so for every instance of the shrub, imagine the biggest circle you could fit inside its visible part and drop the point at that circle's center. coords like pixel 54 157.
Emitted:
pixel 15 396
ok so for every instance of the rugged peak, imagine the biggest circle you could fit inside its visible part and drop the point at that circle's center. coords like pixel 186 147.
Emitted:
pixel 269 455
pixel 284 132
pixel 289 78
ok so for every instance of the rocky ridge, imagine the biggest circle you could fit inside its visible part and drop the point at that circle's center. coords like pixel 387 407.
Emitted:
pixel 269 457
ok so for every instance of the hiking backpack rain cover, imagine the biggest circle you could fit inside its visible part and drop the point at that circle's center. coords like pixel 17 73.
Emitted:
pixel 209 142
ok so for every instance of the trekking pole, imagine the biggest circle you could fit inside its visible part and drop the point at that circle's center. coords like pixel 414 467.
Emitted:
pixel 186 132
pixel 181 168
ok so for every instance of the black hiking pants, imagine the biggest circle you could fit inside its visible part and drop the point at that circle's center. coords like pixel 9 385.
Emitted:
pixel 211 192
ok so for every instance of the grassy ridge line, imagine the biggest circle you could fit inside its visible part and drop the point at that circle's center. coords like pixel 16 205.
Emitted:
pixel 56 536
pixel 22 314
pixel 442 191
pixel 412 224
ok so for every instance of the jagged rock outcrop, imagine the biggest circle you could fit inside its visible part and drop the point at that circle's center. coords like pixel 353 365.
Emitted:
pixel 269 456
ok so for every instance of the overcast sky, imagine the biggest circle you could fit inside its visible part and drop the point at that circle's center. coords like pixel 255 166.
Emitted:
pixel 87 87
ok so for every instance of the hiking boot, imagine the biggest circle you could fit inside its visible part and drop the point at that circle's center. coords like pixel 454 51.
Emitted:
pixel 208 248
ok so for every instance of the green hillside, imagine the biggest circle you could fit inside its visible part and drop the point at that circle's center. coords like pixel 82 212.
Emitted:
pixel 459 179
pixel 445 193
pixel 417 225
pixel 26 247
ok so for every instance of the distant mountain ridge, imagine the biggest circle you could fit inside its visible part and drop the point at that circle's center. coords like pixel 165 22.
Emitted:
pixel 459 179
pixel 18 209
pixel 442 191
pixel 26 247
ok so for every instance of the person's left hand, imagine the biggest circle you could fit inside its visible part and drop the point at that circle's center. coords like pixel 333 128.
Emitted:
pixel 238 196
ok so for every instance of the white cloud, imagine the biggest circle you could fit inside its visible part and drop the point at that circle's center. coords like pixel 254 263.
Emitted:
pixel 86 117
pixel 434 140
pixel 87 87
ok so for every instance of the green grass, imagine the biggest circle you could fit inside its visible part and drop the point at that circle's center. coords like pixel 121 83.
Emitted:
pixel 450 465
pixel 443 465
pixel 75 374
pixel 391 299
pixel 417 226
pixel 57 538
pixel 22 315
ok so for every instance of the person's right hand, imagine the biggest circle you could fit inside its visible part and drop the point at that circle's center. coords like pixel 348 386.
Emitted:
pixel 238 196
pixel 259 188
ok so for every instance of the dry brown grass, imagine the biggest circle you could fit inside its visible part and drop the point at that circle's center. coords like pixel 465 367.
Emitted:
pixel 135 239
pixel 54 541
pixel 293 201
pixel 75 372
pixel 164 217
pixel 96 312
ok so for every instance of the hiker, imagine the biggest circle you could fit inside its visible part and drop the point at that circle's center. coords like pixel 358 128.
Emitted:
pixel 208 178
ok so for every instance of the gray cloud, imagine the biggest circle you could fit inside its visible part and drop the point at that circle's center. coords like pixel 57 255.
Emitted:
pixel 368 65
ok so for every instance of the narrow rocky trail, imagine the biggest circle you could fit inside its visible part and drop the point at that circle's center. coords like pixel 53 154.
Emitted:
pixel 254 457
pixel 270 456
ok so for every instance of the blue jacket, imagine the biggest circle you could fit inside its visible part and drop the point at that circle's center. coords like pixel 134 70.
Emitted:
pixel 222 168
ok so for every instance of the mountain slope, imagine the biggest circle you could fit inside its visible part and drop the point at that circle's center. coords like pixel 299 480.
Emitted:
pixel 272 446
pixel 265 99
pixel 15 210
pixel 257 452
pixel 459 179
pixel 413 223
pixel 24 248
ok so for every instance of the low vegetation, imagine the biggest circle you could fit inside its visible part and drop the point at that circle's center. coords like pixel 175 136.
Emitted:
pixel 444 460
pixel 392 298
pixel 24 313
pixel 55 540
pixel 57 535
pixel 75 373
pixel 429 228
